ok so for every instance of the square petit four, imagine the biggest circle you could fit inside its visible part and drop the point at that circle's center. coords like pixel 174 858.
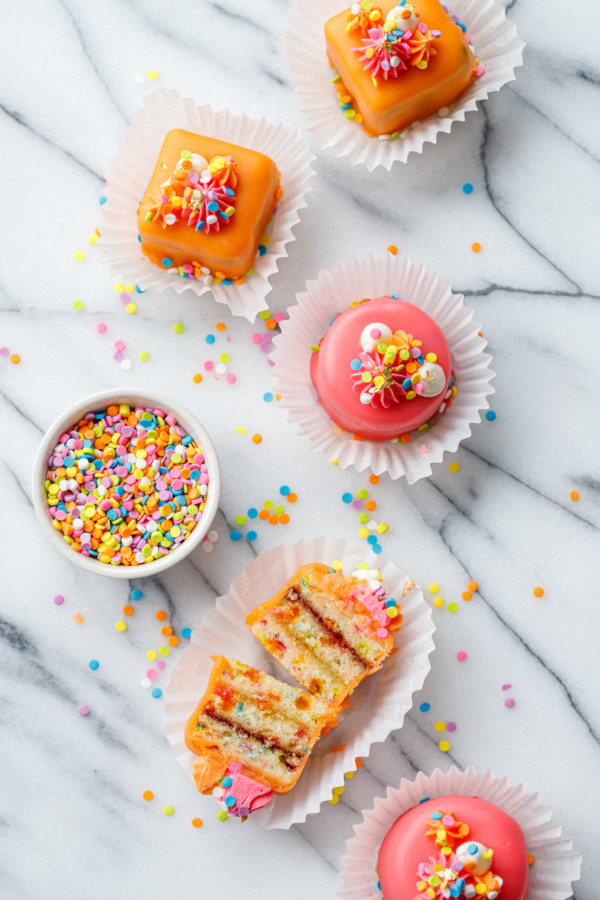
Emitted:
pixel 207 206
pixel 398 63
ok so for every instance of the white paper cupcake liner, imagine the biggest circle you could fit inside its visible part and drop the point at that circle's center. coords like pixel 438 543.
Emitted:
pixel 497 46
pixel 378 705
pixel 332 293
pixel 556 865
pixel 133 166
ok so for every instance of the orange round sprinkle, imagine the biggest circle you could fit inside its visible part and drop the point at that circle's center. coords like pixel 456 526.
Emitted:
pixel 467 595
pixel 291 498
pixel 167 630
pixel 530 858
pixel 148 795
pixel 370 505
pixel 284 519
pixel 538 592
pixel 197 823
pixel 270 324
pixel 77 619
pixel 476 247
pixel 392 249
pixel 128 610
pixel 405 438
pixel 257 438
pixel 15 358
pixel 574 495
pixel 197 378
pixel 374 479
pixel 161 615
pixel 173 640
pixel 263 514
pixel 473 586
pixel 220 326
pixel 273 519
pixel 358 762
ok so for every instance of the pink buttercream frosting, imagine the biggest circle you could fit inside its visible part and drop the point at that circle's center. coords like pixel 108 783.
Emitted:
pixel 249 795
pixel 374 601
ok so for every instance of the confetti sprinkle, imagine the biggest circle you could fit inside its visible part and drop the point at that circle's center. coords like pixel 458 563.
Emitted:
pixel 467 595
pixel 574 495
pixel 79 256
pixel 467 188
pixel 148 795
pixel 538 592
pixel 120 626
pixel 178 328
pixel 433 588
pixel 440 726
pixel 94 664
pixel 15 359
pixel 101 328
pixel 476 247
pixel 509 702
pixel 152 75
pixel 168 810
pixel 490 415
pixel 473 586
pixel 83 710
pixel 461 656
pixel 197 378
pixel 77 619
pixel 78 304
pixel 136 594
pixel 197 823
pixel 392 249
pixel 450 726
pixel 425 707
pixel 256 438
pixel 438 602
pixel 453 467
pixel 444 746
pixel 59 600
pixel 452 607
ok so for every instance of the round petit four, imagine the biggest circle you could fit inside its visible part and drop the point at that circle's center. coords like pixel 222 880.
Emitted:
pixel 454 847
pixel 383 370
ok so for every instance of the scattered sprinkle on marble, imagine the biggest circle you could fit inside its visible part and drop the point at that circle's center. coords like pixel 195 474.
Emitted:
pixel 148 795
pixel 506 687
pixel 168 810
pixel 392 249
pixel 83 710
pixel 197 823
pixel 574 495
pixel 136 594
pixel 444 746
pixel 156 693
pixel 461 656
pixel 538 592
pixel 476 247
pixel 490 415
pixel 454 467
pixel 59 600
pixel 77 619
pixel 450 726
pixel 94 664
pixel 467 188
pixel 509 702
pixel 425 707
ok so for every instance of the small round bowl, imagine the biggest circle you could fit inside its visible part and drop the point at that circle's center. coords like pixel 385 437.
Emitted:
pixel 134 398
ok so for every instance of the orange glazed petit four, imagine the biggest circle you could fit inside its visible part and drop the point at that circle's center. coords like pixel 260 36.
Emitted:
pixel 207 206
pixel 398 62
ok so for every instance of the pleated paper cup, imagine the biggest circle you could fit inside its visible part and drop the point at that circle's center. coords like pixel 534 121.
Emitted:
pixel 378 705
pixel 131 170
pixel 556 864
pixel 332 293
pixel 496 45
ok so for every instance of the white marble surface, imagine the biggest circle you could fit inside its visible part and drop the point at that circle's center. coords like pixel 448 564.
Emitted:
pixel 73 821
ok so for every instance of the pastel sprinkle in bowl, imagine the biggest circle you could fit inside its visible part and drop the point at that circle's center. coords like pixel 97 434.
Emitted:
pixel 134 399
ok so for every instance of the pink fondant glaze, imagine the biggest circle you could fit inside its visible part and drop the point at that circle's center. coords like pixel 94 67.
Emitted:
pixel 405 846
pixel 331 372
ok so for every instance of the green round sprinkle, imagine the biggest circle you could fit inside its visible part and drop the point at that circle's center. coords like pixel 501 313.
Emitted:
pixel 268 504
pixel 362 494
pixel 144 356
pixel 185 154
pixel 222 815
pixel 78 304
pixel 168 810
pixel 363 518
pixel 178 328
pixel 224 357
pixel 452 607
pixel 265 314
pixel 240 520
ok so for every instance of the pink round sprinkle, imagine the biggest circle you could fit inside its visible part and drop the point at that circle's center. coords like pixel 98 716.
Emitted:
pixel 279 317
pixel 4 351
pixel 479 71
pixel 256 338
pixel 230 378
pixel 83 710
pixel 160 664
pixel 101 328
pixel 461 656
pixel 450 726
pixel 151 674
pixel 448 821
pixel 124 298
pixel 120 345
pixel 59 599
pixel 506 687
pixel 382 632
pixel 375 333
pixel 209 366
pixel 509 702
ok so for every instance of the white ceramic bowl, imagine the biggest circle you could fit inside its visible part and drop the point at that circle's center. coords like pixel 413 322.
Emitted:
pixel 134 398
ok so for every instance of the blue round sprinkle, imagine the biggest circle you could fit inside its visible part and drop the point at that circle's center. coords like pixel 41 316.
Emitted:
pixel 136 594
pixel 268 397
pixel 436 816
pixel 347 498
pixel 473 849
pixel 227 781
pixel 94 664
pixel 102 200
pixel 252 513
pixel 227 281
pixel 490 415
pixel 210 338
pixel 376 548
pixel 284 490
pixel 212 206
pixel 230 801
pixel 235 535
pixel 186 632
pixel 390 602
pixel 251 536
pixel 425 707
pixel 156 693
pixel 167 263
pixel 355 364
pixel 262 249
pixel 467 188
pixel 406 384
pixel 372 539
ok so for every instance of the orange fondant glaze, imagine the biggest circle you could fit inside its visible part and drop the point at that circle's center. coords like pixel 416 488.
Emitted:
pixel 231 250
pixel 416 93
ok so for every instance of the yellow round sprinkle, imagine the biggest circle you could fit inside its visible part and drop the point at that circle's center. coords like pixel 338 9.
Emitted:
pixel 453 467
pixel 452 607
pixel 120 626
pixel 151 655
pixel 349 774
pixel 79 255
pixel 438 601
pixel 78 304
pixel 336 565
pixel 444 746
pixel 338 790
pixel 434 588
pixel 335 799
pixel 131 308
pixel 152 74
pixel 440 726
pixel 431 357
pixel 363 532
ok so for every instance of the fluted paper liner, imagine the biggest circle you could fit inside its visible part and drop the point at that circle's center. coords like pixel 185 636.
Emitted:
pixel 131 170
pixel 496 44
pixel 556 865
pixel 332 293
pixel 378 705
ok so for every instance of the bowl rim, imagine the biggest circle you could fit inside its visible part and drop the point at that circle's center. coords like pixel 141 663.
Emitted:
pixel 135 397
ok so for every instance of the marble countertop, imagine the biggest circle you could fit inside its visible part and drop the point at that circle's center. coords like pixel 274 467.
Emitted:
pixel 74 824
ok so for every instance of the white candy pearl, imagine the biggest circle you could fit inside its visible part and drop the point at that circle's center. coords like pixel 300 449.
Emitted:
pixel 482 865
pixel 436 384
pixel 366 398
pixel 198 163
pixel 369 343
pixel 408 24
